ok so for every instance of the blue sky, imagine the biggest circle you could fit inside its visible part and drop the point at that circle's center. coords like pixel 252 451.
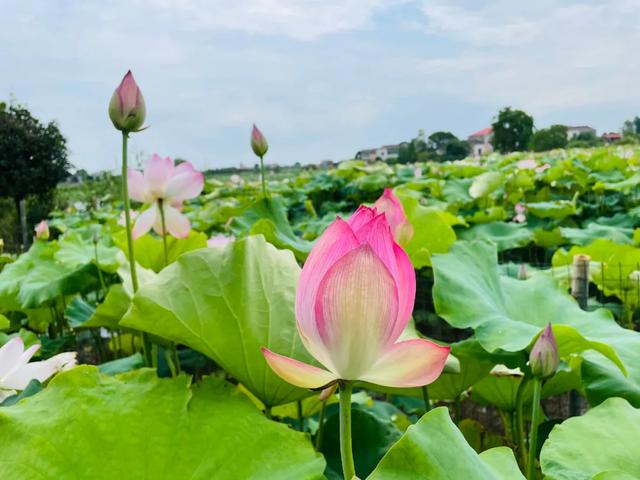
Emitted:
pixel 321 78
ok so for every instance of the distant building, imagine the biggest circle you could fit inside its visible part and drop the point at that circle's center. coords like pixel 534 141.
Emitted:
pixel 573 132
pixel 611 137
pixel 384 153
pixel 480 142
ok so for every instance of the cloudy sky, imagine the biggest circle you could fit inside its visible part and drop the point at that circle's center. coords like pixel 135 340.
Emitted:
pixel 321 78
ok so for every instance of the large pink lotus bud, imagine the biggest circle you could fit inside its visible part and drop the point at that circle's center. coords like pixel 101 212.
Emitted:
pixel 126 108
pixel 390 205
pixel 354 299
pixel 42 230
pixel 258 142
pixel 543 358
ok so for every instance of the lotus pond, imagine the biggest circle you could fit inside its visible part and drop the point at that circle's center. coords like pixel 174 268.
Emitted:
pixel 461 320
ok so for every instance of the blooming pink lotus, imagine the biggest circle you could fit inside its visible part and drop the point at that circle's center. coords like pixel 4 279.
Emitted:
pixel 354 299
pixel 221 240
pixel 126 108
pixel 42 230
pixel 16 372
pixel 163 185
pixel 389 204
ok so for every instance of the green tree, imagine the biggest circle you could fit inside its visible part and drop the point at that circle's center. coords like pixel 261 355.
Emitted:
pixel 33 158
pixel 445 146
pixel 410 151
pixel 631 127
pixel 549 138
pixel 585 140
pixel 512 130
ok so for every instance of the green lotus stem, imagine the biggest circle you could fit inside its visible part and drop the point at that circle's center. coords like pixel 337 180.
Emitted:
pixel 533 435
pixel 519 422
pixel 264 185
pixel 320 433
pixel 172 368
pixel 164 232
pixel 176 361
pixel 425 397
pixel 346 450
pixel 267 412
pixel 146 344
pixel 100 277
pixel 300 416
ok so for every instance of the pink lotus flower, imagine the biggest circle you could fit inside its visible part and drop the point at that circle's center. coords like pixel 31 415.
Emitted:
pixel 162 183
pixel 520 216
pixel 258 142
pixel 389 204
pixel 126 108
pixel 16 372
pixel 542 168
pixel 527 164
pixel 221 240
pixel 354 299
pixel 42 230
pixel 122 221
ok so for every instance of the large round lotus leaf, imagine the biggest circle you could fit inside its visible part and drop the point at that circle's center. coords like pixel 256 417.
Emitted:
pixel 505 235
pixel 602 444
pixel 435 449
pixel 507 314
pixel 85 425
pixel 227 303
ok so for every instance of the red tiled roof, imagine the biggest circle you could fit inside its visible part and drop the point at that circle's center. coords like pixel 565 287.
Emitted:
pixel 483 132
pixel 612 135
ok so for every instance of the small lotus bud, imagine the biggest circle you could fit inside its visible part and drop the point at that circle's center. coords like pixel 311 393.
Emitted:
pixel 258 142
pixel 1 245
pixel 42 231
pixel 126 108
pixel 543 358
pixel 522 272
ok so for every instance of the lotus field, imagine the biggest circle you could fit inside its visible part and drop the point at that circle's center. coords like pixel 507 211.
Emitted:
pixel 470 320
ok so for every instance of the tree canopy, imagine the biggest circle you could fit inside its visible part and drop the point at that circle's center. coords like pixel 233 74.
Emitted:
pixel 33 155
pixel 549 138
pixel 512 131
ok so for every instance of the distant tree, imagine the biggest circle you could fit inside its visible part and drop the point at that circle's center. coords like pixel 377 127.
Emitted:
pixel 512 130
pixel 444 146
pixel 409 151
pixel 549 138
pixel 585 140
pixel 33 157
pixel 631 127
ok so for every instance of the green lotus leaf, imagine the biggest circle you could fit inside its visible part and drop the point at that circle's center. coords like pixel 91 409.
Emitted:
pixel 134 425
pixel 227 303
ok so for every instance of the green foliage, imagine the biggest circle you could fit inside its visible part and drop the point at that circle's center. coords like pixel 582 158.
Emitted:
pixel 87 425
pixel 434 448
pixel 227 304
pixel 601 445
pixel 512 131
pixel 549 138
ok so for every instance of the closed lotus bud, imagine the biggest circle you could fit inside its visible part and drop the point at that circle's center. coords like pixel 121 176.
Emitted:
pixel 126 108
pixel 522 272
pixel 543 358
pixel 1 245
pixel 42 231
pixel 258 142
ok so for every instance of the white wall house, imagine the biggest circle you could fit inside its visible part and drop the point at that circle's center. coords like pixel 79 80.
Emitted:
pixel 573 132
pixel 384 153
pixel 480 142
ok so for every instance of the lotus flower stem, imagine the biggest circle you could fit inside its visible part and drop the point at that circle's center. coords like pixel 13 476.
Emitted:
pixel 173 360
pixel 264 184
pixel 425 396
pixel 533 435
pixel 100 277
pixel 164 232
pixel 146 344
pixel 346 451
pixel 300 416
pixel 320 433
pixel 519 422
